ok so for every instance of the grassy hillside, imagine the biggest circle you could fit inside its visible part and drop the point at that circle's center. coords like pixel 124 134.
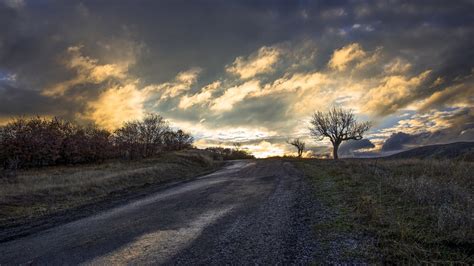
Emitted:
pixel 455 151
pixel 411 211
pixel 43 192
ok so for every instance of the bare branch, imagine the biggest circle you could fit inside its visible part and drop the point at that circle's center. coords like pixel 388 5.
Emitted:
pixel 338 125
pixel 300 145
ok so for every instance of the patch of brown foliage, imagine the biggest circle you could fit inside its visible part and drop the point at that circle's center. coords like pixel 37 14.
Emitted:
pixel 37 142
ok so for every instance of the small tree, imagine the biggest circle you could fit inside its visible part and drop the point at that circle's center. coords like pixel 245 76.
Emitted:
pixel 338 125
pixel 184 140
pixel 127 140
pixel 300 145
pixel 237 146
pixel 151 130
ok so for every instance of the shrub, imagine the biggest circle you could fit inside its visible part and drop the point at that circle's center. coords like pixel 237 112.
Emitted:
pixel 36 142
pixel 230 154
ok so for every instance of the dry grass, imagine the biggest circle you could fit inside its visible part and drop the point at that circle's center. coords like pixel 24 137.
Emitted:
pixel 415 211
pixel 40 192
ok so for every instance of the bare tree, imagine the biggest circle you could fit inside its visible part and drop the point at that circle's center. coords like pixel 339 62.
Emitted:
pixel 237 145
pixel 338 125
pixel 184 140
pixel 151 131
pixel 300 145
pixel 177 140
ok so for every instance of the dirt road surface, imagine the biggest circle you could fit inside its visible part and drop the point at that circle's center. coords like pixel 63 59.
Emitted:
pixel 256 211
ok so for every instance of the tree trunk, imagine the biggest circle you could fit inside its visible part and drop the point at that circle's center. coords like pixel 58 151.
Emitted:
pixel 334 151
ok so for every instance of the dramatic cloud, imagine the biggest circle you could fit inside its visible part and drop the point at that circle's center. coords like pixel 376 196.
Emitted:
pixel 342 57
pixel 116 105
pixel 461 94
pixel 249 72
pixel 201 97
pixel 436 127
pixel 349 147
pixel 234 95
pixel 87 70
pixel 295 82
pixel 397 141
pixel 394 93
pixel 182 83
pixel 261 62
pixel 397 66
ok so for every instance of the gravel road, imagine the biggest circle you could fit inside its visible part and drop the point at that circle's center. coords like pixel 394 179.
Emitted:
pixel 250 212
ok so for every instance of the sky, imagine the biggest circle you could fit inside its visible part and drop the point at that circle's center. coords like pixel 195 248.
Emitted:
pixel 251 72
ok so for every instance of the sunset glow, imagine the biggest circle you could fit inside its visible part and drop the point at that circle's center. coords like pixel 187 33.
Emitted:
pixel 245 72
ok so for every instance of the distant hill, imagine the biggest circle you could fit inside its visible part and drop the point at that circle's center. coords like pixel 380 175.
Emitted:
pixel 458 151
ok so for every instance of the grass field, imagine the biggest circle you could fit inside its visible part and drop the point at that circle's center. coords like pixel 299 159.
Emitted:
pixel 37 193
pixel 410 211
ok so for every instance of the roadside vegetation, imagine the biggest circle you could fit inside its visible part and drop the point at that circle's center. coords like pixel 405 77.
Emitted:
pixel 51 166
pixel 405 211
pixel 221 153
pixel 39 142
pixel 42 192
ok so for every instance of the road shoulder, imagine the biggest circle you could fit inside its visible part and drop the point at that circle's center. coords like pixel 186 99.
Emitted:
pixel 30 225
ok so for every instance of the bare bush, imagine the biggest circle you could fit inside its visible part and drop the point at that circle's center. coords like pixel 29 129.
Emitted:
pixel 31 142
pixel 141 139
pixel 36 142
pixel 177 140
pixel 85 144
pixel 230 154
pixel 298 144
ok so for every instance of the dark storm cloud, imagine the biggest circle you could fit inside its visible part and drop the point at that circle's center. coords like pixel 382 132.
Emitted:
pixel 181 34
pixel 351 146
pixel 18 101
pixel 175 35
pixel 397 141
pixel 461 129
